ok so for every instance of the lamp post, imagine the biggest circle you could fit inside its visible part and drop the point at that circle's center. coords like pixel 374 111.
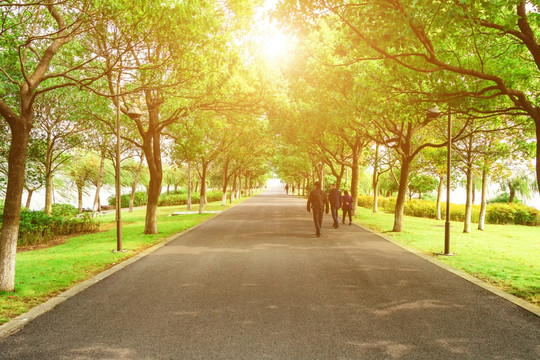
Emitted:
pixel 117 172
pixel 434 113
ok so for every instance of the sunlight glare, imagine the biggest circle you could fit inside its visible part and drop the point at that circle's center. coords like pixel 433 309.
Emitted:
pixel 274 43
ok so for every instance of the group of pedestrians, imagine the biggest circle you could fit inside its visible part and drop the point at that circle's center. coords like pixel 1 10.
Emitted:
pixel 320 203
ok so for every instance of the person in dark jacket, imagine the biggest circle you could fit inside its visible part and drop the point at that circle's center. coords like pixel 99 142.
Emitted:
pixel 335 203
pixel 347 201
pixel 318 202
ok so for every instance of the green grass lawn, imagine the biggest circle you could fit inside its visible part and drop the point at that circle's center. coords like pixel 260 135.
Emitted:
pixel 44 273
pixel 506 256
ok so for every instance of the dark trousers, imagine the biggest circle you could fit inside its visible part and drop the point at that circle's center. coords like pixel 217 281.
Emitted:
pixel 317 219
pixel 335 215
pixel 345 212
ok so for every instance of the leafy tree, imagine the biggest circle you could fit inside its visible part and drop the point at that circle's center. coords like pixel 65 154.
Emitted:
pixel 36 59
pixel 492 46
pixel 60 123
pixel 80 171
pixel 421 184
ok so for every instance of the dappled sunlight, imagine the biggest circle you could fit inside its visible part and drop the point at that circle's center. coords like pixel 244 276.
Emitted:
pixel 419 305
pixel 385 348
pixel 458 346
pixel 100 352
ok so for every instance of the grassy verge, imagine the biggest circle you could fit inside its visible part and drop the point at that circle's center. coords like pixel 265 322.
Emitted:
pixel 506 256
pixel 44 273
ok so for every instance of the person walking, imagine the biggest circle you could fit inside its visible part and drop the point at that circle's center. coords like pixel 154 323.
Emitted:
pixel 335 203
pixel 347 206
pixel 318 202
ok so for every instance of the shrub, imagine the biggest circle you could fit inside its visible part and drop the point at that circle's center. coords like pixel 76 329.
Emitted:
pixel 420 208
pixel 36 227
pixel 64 210
pixel 180 198
pixel 496 213
pixel 517 214
pixel 386 204
pixel 502 198
pixel 140 199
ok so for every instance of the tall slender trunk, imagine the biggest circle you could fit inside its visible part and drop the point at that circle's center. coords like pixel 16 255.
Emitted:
pixel 233 188
pixel 79 198
pixel 225 183
pixel 354 180
pixel 468 201
pixel 239 193
pixel 376 179
pixel 402 193
pixel 189 185
pixel 483 201
pixel 439 195
pixel 202 199
pixel 99 182
pixel 135 183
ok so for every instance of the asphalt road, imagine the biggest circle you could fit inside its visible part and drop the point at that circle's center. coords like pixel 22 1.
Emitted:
pixel 255 283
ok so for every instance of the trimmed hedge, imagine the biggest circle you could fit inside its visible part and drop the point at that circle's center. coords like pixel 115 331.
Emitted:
pixel 175 199
pixel 497 213
pixel 140 199
pixel 36 227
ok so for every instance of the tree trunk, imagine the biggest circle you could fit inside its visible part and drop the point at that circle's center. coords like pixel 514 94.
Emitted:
pixel 154 190
pixel 48 190
pixel 225 183
pixel 202 199
pixel 20 129
pixel 29 198
pixel 135 183
pixel 483 201
pixel 189 185
pixel 152 152
pixel 402 194
pixel 99 182
pixel 468 201
pixel 439 195
pixel 537 123
pixel 79 198
pixel 376 179
pixel 512 192
pixel 354 181
pixel 233 188
pixel 239 195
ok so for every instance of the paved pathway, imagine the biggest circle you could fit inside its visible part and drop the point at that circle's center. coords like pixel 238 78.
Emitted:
pixel 255 283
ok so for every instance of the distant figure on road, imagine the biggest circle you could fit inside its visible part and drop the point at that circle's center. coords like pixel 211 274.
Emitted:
pixel 347 206
pixel 335 203
pixel 318 201
pixel 287 189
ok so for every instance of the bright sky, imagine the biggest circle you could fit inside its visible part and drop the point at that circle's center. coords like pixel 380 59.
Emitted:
pixel 275 43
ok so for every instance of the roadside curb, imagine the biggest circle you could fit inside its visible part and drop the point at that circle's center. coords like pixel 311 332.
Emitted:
pixel 20 321
pixel 496 291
